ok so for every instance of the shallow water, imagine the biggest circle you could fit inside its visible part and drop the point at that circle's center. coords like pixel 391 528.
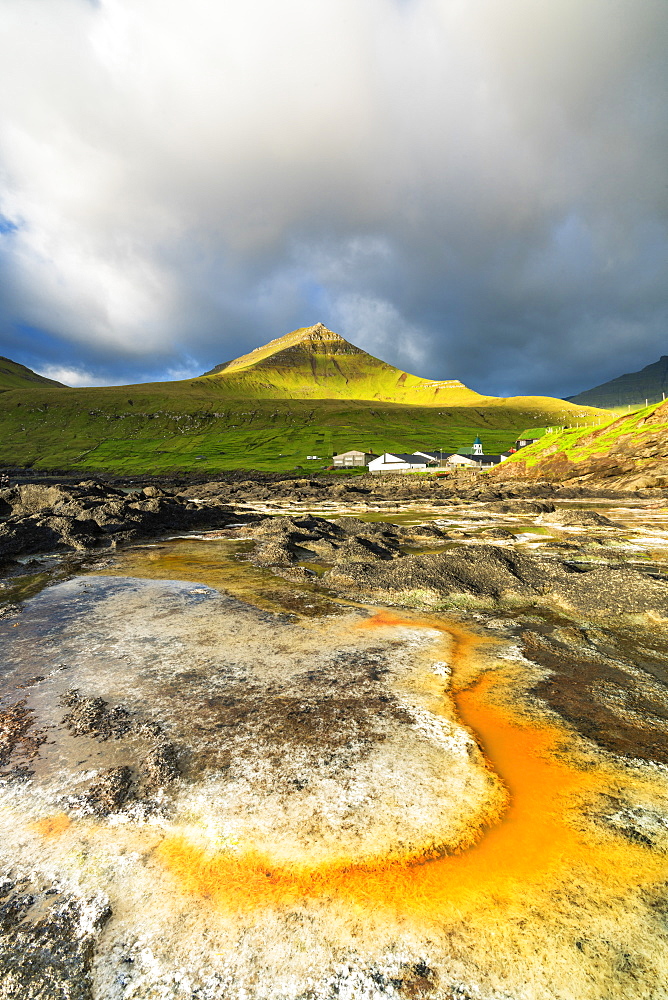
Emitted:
pixel 279 865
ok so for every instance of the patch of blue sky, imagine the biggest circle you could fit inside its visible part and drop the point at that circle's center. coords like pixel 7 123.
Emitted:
pixel 24 343
pixel 316 300
pixel 7 226
pixel 37 340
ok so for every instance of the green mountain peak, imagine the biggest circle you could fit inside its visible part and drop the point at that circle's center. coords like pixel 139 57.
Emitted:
pixel 313 362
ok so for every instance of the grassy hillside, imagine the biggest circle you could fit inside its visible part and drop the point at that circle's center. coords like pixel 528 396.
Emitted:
pixel 16 376
pixel 315 363
pixel 633 446
pixel 139 428
pixel 310 393
pixel 634 389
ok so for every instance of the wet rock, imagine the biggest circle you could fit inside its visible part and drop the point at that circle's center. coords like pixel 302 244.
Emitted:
pixel 160 767
pixel 110 792
pixel 39 518
pixel 95 717
pixel 20 739
pixel 47 942
pixel 37 534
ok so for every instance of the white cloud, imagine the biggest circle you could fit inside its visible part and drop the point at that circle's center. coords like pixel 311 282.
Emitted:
pixel 191 175
pixel 71 376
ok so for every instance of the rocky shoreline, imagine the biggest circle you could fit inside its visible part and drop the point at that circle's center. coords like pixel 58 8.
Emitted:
pixel 373 560
pixel 154 717
pixel 37 518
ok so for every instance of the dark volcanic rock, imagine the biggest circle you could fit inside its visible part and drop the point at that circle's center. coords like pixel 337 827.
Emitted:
pixel 20 739
pixel 47 942
pixel 110 792
pixel 283 540
pixel 160 767
pixel 95 717
pixel 492 572
pixel 577 518
pixel 38 518
pixel 522 506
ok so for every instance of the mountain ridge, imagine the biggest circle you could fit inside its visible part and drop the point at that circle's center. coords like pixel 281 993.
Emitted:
pixel 16 376
pixel 337 369
pixel 634 389
pixel 309 393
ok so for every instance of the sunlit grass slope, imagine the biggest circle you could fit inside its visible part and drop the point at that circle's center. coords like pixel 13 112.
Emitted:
pixel 309 393
pixel 621 445
pixel 164 429
pixel 315 363
pixel 16 376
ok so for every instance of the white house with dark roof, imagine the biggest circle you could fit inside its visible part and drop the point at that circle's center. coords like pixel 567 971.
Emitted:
pixel 463 461
pixel 401 462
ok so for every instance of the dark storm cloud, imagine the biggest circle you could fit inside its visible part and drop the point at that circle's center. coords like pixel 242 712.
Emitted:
pixel 466 189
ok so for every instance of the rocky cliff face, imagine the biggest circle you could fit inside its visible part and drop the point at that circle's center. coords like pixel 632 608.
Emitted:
pixel 628 453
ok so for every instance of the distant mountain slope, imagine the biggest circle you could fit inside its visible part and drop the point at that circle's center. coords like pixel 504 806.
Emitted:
pixel 630 451
pixel 635 389
pixel 316 363
pixel 310 393
pixel 16 376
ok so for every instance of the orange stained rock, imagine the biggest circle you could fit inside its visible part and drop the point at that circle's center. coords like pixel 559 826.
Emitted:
pixel 52 826
pixel 532 846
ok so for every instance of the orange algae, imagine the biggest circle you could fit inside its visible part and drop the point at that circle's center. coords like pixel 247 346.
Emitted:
pixel 531 847
pixel 52 826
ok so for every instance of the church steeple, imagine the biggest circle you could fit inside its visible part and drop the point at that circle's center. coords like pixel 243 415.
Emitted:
pixel 477 447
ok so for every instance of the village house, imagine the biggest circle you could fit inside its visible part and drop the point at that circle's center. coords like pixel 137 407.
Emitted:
pixel 461 461
pixel 353 459
pixel 401 462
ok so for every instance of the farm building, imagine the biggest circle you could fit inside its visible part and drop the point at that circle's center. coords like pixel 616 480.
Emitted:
pixel 353 459
pixel 463 461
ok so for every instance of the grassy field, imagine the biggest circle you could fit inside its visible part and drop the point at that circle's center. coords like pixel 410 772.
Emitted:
pixel 309 393
pixel 164 429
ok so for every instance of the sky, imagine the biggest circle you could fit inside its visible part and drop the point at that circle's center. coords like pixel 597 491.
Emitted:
pixel 470 189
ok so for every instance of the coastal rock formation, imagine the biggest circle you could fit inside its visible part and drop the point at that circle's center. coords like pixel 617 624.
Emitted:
pixel 37 518
pixel 374 561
